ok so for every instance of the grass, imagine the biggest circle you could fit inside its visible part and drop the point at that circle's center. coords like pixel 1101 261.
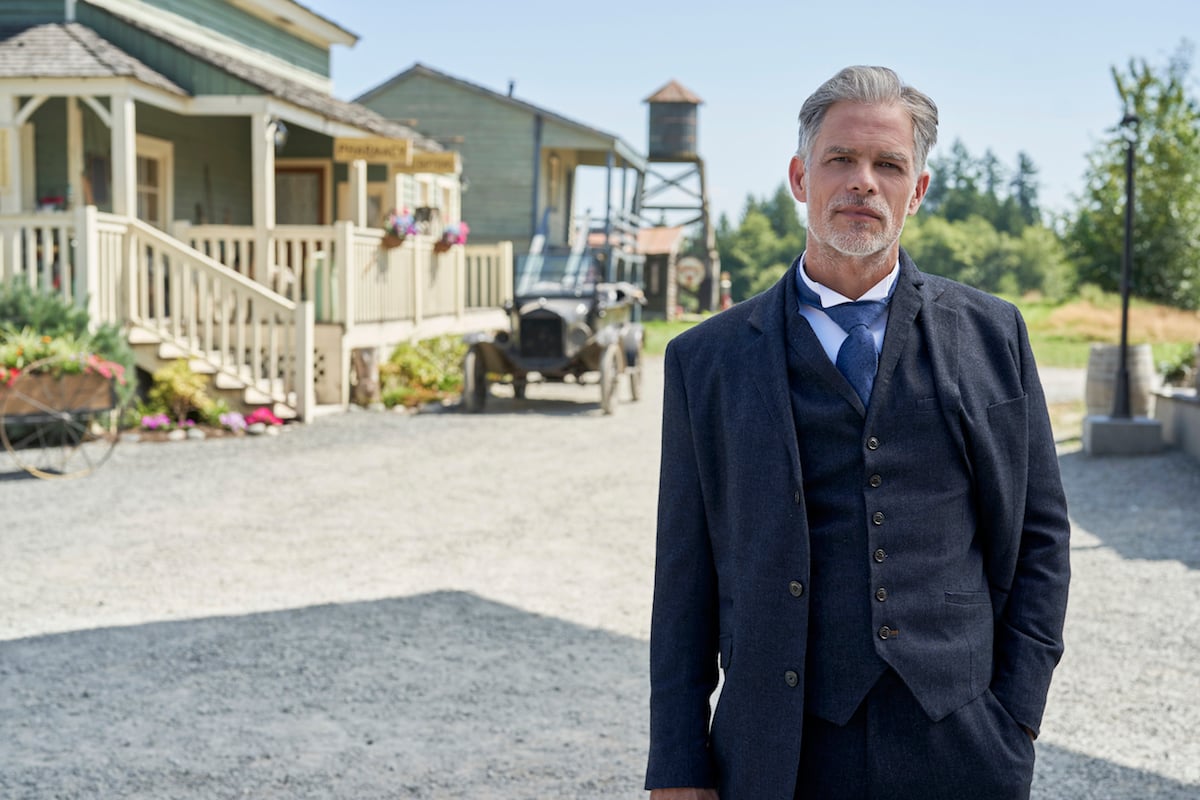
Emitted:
pixel 1061 334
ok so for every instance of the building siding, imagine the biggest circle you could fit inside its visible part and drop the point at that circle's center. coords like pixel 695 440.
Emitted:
pixel 23 13
pixel 496 148
pixel 213 174
pixel 251 31
pixel 192 74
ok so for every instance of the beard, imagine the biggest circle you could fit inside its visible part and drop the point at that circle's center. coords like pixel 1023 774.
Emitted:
pixel 861 238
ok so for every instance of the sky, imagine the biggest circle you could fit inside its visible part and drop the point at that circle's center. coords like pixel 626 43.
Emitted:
pixel 1017 76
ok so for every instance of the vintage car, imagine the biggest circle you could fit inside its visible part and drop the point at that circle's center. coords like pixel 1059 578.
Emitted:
pixel 566 324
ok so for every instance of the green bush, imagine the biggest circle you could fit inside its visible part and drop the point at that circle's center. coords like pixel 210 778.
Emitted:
pixel 422 372
pixel 180 393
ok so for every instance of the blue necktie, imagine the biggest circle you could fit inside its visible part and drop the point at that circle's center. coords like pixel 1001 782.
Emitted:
pixel 856 359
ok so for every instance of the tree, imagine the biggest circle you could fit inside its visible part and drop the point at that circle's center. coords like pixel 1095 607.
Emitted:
pixel 768 238
pixel 1167 189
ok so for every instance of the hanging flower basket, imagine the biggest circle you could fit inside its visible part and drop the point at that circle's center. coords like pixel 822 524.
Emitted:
pixel 398 226
pixel 391 240
pixel 441 246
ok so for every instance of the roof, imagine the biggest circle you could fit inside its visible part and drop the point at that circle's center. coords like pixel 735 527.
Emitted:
pixel 294 92
pixel 673 92
pixel 659 240
pixel 71 50
pixel 418 69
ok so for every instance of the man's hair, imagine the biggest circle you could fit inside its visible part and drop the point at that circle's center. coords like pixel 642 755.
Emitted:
pixel 871 86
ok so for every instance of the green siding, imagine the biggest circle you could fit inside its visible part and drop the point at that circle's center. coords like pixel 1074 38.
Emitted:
pixel 21 13
pixel 250 31
pixel 213 175
pixel 497 150
pixel 192 74
pixel 50 148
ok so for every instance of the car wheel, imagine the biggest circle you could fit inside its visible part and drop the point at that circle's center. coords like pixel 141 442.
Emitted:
pixel 610 372
pixel 475 387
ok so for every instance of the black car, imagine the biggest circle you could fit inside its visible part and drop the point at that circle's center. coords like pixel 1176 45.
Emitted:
pixel 566 325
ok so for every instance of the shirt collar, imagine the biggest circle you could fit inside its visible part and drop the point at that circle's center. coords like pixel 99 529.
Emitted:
pixel 880 291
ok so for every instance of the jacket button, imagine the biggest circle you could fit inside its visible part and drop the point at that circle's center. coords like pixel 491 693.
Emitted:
pixel 875 481
pixel 791 679
pixel 881 594
pixel 872 443
pixel 796 588
pixel 877 518
pixel 799 497
pixel 886 633
pixel 879 555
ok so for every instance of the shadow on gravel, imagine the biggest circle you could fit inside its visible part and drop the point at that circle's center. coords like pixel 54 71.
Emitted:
pixel 1066 775
pixel 432 696
pixel 1143 507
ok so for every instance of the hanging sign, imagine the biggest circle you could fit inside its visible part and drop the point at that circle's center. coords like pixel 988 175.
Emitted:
pixel 375 150
pixel 447 163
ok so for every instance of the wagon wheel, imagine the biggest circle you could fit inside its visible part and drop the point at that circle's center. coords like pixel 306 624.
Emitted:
pixel 635 382
pixel 57 424
pixel 610 372
pixel 475 384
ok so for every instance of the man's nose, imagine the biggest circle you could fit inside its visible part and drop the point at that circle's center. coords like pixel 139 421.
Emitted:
pixel 862 180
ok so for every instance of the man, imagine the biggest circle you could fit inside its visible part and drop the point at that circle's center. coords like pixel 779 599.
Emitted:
pixel 861 521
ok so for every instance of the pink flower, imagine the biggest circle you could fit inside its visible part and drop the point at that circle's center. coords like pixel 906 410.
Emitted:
pixel 263 414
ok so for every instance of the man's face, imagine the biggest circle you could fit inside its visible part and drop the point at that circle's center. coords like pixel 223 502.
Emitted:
pixel 860 180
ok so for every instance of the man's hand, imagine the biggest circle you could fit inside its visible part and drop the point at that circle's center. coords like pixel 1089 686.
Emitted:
pixel 683 794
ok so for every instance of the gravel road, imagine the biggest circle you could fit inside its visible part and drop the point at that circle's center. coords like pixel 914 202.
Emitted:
pixel 380 605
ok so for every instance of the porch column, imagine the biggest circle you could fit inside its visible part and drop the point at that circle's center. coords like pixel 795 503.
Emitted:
pixel 124 156
pixel 10 156
pixel 358 193
pixel 262 160
pixel 74 152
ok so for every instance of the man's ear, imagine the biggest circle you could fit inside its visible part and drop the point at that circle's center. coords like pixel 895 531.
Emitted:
pixel 796 179
pixel 919 193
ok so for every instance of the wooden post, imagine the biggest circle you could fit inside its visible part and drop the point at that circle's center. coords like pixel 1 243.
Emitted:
pixel 306 394
pixel 343 267
pixel 358 193
pixel 10 156
pixel 74 153
pixel 89 288
pixel 262 167
pixel 124 156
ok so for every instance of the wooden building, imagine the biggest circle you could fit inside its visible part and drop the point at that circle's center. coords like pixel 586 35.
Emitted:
pixel 183 169
pixel 522 163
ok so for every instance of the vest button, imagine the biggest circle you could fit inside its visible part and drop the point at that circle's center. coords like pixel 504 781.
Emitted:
pixel 875 481
pixel 879 555
pixel 798 497
pixel 877 518
pixel 881 594
pixel 796 588
pixel 791 679
pixel 872 443
pixel 886 633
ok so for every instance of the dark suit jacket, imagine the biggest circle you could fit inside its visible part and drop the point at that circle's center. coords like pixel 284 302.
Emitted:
pixel 733 537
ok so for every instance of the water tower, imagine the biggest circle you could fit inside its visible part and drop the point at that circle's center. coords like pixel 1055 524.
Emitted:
pixel 674 184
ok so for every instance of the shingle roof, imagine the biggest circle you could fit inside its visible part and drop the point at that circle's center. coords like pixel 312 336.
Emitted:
pixel 71 50
pixel 295 92
pixel 673 92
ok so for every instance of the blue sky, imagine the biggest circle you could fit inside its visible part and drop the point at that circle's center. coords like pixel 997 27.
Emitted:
pixel 1012 76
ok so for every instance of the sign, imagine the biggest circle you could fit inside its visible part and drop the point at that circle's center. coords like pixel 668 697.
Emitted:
pixel 438 163
pixel 689 271
pixel 375 150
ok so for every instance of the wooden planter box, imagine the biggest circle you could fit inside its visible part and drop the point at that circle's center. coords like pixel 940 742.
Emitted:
pixel 36 394
pixel 391 240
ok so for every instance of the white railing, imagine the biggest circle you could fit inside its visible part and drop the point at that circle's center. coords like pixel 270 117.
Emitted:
pixel 240 328
pixel 488 279
pixel 38 248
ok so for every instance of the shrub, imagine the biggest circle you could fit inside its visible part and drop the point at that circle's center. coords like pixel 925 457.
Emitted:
pixel 422 372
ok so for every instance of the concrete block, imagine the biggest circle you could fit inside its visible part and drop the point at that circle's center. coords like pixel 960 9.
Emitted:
pixel 1110 436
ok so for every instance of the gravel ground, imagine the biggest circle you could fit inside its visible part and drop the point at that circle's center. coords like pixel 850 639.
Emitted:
pixel 442 606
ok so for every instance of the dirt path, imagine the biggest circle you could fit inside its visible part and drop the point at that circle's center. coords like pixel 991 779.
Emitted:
pixel 452 606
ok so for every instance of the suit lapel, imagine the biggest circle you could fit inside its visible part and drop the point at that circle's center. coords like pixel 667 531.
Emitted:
pixel 766 351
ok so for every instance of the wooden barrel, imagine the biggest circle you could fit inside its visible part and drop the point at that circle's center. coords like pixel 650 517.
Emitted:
pixel 1103 362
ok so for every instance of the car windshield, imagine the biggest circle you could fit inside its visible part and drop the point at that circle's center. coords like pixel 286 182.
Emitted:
pixel 556 274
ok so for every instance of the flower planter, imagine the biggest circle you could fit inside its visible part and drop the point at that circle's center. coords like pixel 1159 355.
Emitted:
pixel 441 246
pixel 391 240
pixel 37 394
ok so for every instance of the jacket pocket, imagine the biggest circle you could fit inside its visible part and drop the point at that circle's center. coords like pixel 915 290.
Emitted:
pixel 968 598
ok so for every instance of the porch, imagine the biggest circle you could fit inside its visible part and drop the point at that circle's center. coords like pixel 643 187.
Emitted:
pixel 277 329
